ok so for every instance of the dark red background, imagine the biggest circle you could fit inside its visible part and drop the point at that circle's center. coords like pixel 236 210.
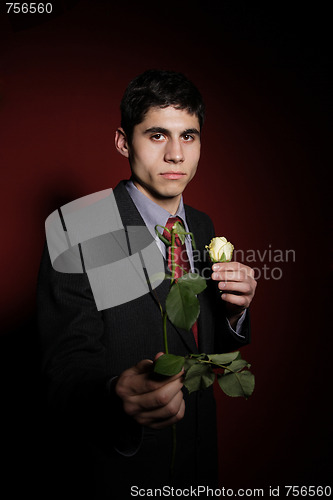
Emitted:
pixel 263 74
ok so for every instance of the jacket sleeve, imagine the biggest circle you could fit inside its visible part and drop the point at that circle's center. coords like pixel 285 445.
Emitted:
pixel 73 359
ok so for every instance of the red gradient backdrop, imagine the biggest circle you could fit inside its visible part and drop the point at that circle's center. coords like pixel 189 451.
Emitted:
pixel 262 178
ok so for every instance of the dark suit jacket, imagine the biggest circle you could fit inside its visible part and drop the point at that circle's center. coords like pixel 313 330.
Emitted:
pixel 83 348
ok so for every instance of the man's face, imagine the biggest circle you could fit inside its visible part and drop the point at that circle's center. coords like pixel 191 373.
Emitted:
pixel 164 154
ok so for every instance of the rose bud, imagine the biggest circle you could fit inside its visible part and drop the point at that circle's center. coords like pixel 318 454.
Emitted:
pixel 220 249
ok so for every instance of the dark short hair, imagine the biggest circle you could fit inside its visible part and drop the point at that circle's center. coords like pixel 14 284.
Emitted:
pixel 158 88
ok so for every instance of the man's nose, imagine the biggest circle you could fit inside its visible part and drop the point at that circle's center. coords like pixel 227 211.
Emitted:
pixel 174 152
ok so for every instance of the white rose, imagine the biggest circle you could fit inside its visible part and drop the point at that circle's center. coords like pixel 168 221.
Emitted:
pixel 220 249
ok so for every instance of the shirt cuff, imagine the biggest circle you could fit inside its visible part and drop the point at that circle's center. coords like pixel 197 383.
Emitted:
pixel 237 331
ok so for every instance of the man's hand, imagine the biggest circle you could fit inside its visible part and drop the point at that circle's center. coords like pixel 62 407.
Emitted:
pixel 238 285
pixel 151 402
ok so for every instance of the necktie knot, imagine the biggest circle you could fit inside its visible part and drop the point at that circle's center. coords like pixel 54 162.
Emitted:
pixel 169 225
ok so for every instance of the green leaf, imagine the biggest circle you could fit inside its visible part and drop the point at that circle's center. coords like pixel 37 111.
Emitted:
pixel 225 358
pixel 238 365
pixel 199 356
pixel 188 363
pixel 180 231
pixel 237 384
pixel 199 376
pixel 182 306
pixel 169 364
pixel 192 359
pixel 193 281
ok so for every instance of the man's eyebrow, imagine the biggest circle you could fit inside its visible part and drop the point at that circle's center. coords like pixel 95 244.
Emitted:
pixel 192 131
pixel 161 130
pixel 157 130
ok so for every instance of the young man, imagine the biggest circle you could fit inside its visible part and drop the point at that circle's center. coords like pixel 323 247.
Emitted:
pixel 99 361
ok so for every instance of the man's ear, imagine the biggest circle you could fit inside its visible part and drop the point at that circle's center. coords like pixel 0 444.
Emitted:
pixel 120 141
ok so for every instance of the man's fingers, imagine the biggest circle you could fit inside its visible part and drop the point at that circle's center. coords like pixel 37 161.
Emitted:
pixel 231 271
pixel 237 300
pixel 162 423
pixel 153 402
pixel 164 417
pixel 157 409
pixel 143 366
pixel 237 284
pixel 235 287
pixel 165 411
pixel 158 398
pixel 230 266
pixel 232 275
pixel 138 380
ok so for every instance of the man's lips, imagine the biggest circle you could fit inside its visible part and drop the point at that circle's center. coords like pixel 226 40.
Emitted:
pixel 173 175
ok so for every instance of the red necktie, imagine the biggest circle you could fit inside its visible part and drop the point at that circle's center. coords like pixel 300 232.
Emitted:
pixel 181 258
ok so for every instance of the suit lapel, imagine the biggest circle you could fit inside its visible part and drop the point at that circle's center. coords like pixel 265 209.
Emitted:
pixel 128 212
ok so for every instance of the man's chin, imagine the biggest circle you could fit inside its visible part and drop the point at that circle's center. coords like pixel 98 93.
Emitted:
pixel 168 194
pixel 164 192
pixel 173 190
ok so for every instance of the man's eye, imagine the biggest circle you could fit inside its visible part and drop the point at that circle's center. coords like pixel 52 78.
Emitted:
pixel 188 137
pixel 157 137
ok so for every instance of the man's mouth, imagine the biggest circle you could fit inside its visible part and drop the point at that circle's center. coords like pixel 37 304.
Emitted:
pixel 173 175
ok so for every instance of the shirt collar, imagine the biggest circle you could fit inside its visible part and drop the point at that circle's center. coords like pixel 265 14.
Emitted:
pixel 150 211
